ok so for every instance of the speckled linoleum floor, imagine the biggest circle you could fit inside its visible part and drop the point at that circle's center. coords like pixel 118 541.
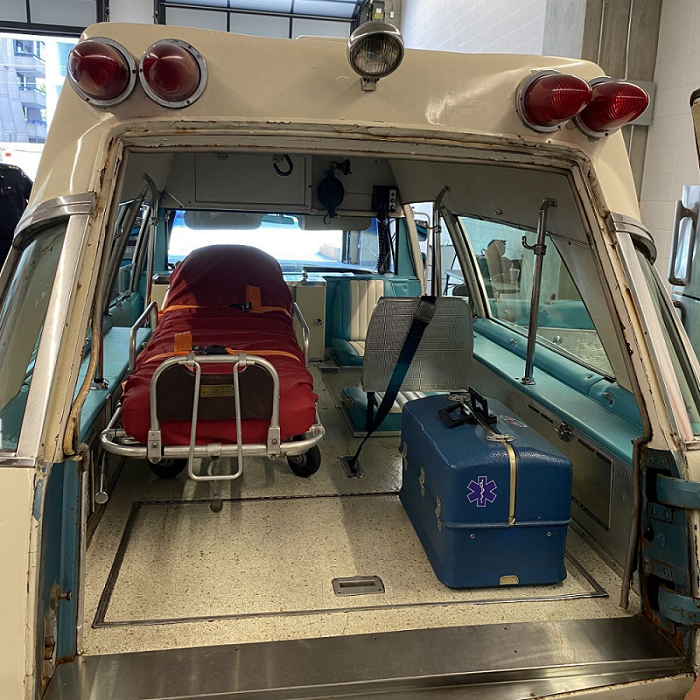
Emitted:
pixel 262 569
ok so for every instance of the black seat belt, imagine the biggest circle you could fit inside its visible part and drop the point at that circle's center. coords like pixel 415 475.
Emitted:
pixel 421 319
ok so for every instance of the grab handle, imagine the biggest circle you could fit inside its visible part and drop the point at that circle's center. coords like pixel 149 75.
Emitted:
pixel 480 407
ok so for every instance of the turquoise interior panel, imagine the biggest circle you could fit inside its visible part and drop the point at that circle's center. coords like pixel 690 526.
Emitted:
pixel 572 392
pixel 125 311
pixel 338 298
pixel 116 362
pixel 355 408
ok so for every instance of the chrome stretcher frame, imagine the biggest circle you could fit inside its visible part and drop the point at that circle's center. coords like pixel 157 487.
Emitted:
pixel 115 439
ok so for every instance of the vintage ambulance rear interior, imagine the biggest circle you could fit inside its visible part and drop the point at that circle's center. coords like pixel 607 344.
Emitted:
pixel 199 553
pixel 286 557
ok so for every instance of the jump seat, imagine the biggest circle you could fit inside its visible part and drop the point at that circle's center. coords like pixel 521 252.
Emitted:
pixel 355 299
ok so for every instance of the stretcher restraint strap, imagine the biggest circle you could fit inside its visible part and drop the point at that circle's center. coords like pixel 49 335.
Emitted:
pixel 180 350
pixel 421 319
pixel 252 299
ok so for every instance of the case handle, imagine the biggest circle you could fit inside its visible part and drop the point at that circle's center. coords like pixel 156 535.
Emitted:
pixel 480 407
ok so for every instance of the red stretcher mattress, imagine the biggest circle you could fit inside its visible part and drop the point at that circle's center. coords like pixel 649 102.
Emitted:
pixel 201 289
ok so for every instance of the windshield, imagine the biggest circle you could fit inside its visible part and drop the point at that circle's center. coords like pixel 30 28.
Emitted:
pixel 289 239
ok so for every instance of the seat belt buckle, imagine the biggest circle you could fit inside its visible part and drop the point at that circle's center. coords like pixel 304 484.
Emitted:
pixel 425 311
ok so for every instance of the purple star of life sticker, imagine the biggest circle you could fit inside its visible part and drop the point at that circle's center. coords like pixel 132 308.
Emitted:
pixel 482 491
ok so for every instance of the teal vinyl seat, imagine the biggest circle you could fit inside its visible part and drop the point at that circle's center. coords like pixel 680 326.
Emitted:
pixel 355 300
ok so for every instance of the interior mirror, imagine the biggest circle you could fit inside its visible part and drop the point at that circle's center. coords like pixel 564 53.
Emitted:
pixel 222 220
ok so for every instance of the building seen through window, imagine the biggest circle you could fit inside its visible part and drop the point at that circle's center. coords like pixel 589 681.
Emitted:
pixel 35 69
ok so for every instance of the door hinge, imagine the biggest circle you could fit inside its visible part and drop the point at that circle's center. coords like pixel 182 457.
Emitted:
pixel 678 492
pixel 49 657
pixel 679 608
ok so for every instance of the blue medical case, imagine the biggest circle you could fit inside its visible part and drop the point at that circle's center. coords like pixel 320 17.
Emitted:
pixel 489 499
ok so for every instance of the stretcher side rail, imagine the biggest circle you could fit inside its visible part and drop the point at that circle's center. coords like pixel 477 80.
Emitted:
pixel 151 311
pixel 305 332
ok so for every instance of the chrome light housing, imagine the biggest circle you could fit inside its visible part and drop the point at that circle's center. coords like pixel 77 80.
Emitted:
pixel 375 50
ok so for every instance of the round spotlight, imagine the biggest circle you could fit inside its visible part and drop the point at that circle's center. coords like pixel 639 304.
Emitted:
pixel 548 99
pixel 614 103
pixel 173 73
pixel 375 50
pixel 101 71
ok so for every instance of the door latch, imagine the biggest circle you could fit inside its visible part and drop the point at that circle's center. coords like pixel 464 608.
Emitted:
pixel 565 432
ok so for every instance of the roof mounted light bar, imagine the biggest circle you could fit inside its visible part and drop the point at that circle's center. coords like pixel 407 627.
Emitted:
pixel 375 50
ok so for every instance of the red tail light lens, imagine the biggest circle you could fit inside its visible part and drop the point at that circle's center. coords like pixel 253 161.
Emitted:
pixel 101 71
pixel 614 103
pixel 547 99
pixel 173 73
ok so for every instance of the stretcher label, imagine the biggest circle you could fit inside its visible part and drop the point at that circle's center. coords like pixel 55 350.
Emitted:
pixel 216 390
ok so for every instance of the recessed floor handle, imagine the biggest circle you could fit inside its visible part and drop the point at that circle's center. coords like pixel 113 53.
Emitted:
pixel 357 585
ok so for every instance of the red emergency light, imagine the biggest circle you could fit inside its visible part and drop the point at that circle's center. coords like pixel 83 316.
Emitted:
pixel 101 71
pixel 548 99
pixel 173 73
pixel 614 103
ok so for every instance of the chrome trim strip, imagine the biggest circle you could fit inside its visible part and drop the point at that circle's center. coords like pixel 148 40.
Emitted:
pixel 12 461
pixel 46 365
pixel 621 223
pixel 57 208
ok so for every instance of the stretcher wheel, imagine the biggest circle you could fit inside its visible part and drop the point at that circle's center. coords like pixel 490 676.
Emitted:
pixel 168 468
pixel 307 464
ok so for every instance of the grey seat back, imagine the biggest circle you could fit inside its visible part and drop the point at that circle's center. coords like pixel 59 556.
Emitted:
pixel 443 359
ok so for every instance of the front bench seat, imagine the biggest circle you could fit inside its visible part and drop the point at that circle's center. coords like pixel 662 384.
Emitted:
pixel 355 302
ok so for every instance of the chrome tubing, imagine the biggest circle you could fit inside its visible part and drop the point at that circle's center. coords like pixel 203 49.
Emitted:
pixel 539 249
pixel 154 449
pixel 102 495
pixel 305 332
pixel 117 441
pixel 150 311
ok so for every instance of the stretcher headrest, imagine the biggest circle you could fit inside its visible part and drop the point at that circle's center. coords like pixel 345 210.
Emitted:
pixel 219 275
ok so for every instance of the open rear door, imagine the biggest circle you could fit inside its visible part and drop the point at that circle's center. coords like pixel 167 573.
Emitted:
pixel 695 111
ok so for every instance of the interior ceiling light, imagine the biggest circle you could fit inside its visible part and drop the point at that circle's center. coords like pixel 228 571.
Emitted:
pixel 614 103
pixel 548 99
pixel 101 71
pixel 375 50
pixel 173 73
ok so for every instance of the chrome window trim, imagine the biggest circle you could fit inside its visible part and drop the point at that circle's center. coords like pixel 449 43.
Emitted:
pixel 53 209
pixel 60 305
pixel 621 223
pixel 661 358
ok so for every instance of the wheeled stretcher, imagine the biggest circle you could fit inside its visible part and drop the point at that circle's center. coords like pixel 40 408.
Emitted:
pixel 222 375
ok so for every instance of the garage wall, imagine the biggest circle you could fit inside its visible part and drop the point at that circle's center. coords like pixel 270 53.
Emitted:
pixel 483 26
pixel 131 11
pixel 671 159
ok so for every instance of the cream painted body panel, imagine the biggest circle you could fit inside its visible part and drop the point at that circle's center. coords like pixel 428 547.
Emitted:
pixel 279 82
pixel 299 87
pixel 18 567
